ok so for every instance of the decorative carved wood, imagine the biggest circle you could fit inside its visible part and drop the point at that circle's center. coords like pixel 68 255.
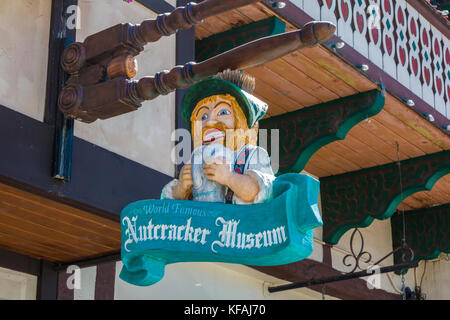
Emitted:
pixel 427 232
pixel 98 58
pixel 354 199
pixel 103 99
pixel 305 131
pixel 130 39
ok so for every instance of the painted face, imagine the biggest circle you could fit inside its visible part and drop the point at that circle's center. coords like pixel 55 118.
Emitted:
pixel 215 118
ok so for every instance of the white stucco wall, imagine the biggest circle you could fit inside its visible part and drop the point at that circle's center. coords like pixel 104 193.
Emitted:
pixel 24 38
pixel 144 135
pixel 377 241
pixel 198 281
pixel 86 290
pixel 211 281
pixel 16 285
pixel 436 279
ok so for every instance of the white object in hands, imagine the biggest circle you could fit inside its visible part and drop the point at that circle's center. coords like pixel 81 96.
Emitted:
pixel 202 188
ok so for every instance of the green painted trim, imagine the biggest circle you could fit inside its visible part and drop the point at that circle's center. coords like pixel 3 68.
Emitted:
pixel 316 126
pixel 227 40
pixel 355 199
pixel 427 232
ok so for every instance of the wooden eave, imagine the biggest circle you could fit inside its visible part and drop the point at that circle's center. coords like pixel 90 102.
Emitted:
pixel 36 226
pixel 41 228
pixel 314 75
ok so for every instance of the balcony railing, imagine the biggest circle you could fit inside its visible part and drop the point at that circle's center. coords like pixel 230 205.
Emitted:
pixel 407 39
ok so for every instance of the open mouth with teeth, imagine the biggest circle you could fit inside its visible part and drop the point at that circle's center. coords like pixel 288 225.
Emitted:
pixel 212 135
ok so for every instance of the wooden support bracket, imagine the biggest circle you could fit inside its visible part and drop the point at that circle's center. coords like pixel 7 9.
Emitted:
pixel 354 199
pixel 305 131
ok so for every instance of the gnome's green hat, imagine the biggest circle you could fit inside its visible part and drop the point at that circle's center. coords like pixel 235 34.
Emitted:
pixel 235 83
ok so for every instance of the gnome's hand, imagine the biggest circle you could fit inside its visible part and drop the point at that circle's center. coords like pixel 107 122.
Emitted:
pixel 183 188
pixel 218 170
pixel 244 186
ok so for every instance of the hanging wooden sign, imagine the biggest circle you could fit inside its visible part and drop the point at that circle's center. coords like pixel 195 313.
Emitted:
pixel 227 205
pixel 160 232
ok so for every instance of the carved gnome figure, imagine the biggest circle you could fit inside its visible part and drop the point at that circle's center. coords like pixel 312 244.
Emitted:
pixel 226 165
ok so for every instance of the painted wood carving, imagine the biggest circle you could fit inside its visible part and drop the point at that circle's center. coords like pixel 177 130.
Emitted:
pixel 226 205
pixel 354 199
pixel 375 35
pixel 305 131
pixel 446 50
pixel 360 26
pixel 438 67
pixel 414 53
pixel 402 55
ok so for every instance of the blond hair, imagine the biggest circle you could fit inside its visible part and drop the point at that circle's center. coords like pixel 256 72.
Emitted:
pixel 235 139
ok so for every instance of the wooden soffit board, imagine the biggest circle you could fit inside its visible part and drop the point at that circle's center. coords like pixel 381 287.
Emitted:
pixel 312 76
pixel 41 228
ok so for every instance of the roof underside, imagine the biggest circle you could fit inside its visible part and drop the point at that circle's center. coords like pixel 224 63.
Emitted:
pixel 314 75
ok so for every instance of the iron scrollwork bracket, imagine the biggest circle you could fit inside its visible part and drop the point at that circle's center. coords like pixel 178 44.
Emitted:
pixel 404 250
pixel 406 253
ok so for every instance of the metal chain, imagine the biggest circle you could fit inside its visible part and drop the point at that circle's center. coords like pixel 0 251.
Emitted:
pixel 403 289
pixel 401 192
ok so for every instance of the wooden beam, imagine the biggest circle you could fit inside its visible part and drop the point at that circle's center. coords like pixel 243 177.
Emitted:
pixel 157 6
pixel 60 36
pixel 305 131
pixel 354 199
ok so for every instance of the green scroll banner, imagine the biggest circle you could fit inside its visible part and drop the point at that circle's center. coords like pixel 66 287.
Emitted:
pixel 276 232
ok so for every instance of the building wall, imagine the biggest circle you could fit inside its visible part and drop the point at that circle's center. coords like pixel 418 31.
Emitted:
pixel 23 76
pixel 197 281
pixel 378 242
pixel 143 135
pixel 24 39
pixel 16 285
pixel 436 278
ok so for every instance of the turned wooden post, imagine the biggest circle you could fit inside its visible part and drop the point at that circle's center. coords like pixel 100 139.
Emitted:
pixel 249 55
pixel 120 95
pixel 128 39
